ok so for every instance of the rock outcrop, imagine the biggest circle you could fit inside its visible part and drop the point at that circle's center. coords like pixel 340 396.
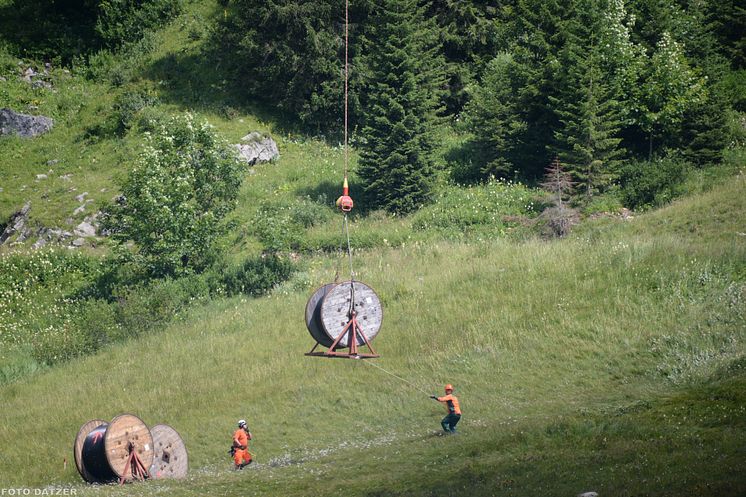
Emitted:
pixel 255 148
pixel 13 123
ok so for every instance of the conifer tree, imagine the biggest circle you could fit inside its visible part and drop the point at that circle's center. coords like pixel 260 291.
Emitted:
pixel 539 39
pixel 471 34
pixel 586 140
pixel 558 183
pixel 494 117
pixel 559 218
pixel 403 90
pixel 290 53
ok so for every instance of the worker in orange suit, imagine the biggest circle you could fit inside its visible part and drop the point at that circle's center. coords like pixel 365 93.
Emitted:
pixel 454 410
pixel 240 450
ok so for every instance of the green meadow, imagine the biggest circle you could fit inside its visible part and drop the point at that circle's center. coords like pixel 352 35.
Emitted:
pixel 611 361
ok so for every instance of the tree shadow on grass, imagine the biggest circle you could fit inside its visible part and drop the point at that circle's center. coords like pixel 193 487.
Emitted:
pixel 204 82
pixel 327 192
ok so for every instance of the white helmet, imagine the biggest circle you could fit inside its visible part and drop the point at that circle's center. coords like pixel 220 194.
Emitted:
pixel 241 422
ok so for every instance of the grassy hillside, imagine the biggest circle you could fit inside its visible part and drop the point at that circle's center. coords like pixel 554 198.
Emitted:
pixel 613 362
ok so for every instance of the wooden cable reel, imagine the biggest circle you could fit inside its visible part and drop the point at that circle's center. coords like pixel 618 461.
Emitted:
pixel 344 315
pixel 347 314
pixel 108 448
pixel 126 449
pixel 170 459
pixel 78 447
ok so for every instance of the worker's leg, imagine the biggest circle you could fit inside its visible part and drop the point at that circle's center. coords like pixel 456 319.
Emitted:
pixel 454 419
pixel 444 423
pixel 239 456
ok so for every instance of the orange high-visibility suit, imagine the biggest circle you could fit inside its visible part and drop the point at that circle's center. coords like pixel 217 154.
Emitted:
pixel 454 412
pixel 451 402
pixel 241 443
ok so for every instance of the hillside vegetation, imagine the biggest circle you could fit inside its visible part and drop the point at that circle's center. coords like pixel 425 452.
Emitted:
pixel 607 356
pixel 611 362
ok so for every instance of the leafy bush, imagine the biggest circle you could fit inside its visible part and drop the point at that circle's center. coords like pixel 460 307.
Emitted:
pixel 141 308
pixel 257 276
pixel 127 106
pixel 604 203
pixel 61 32
pixel 124 21
pixel 647 184
pixel 175 199
pixel 125 113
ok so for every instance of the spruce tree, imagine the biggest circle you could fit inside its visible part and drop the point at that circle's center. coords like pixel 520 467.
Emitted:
pixel 403 88
pixel 539 39
pixel 495 119
pixel 559 218
pixel 289 54
pixel 471 33
pixel 586 141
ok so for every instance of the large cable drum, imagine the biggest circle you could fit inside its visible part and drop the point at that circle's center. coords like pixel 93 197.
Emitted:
pixel 83 433
pixel 341 302
pixel 106 449
pixel 170 458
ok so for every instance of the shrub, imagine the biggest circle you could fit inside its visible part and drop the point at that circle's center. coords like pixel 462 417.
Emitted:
pixel 127 107
pixel 125 21
pixel 176 198
pixel 490 208
pixel 282 226
pixel 142 308
pixel 257 276
pixel 647 184
pixel 557 221
pixel 604 203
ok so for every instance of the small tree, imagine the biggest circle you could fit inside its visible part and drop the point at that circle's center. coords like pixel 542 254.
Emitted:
pixel 672 87
pixel 558 182
pixel 494 117
pixel 174 200
pixel 559 218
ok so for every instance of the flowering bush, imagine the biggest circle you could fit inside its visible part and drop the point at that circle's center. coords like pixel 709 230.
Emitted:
pixel 175 199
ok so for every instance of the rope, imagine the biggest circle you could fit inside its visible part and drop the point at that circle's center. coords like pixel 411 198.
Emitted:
pixel 349 248
pixel 398 377
pixel 347 22
pixel 346 146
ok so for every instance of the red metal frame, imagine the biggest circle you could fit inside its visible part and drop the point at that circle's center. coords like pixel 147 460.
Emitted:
pixel 134 465
pixel 353 329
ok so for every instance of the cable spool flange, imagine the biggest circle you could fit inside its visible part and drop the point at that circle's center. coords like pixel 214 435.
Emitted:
pixel 344 299
pixel 84 431
pixel 313 315
pixel 170 458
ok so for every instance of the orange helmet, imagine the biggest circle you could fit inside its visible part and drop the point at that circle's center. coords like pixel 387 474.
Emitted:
pixel 449 388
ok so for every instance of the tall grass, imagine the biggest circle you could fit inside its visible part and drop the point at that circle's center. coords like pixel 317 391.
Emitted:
pixel 582 364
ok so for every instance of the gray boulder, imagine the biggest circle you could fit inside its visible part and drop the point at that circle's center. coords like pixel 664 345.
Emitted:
pixel 13 123
pixel 255 148
pixel 85 229
pixel 16 223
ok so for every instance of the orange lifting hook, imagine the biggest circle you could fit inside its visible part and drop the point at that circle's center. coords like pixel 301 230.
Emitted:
pixel 344 202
